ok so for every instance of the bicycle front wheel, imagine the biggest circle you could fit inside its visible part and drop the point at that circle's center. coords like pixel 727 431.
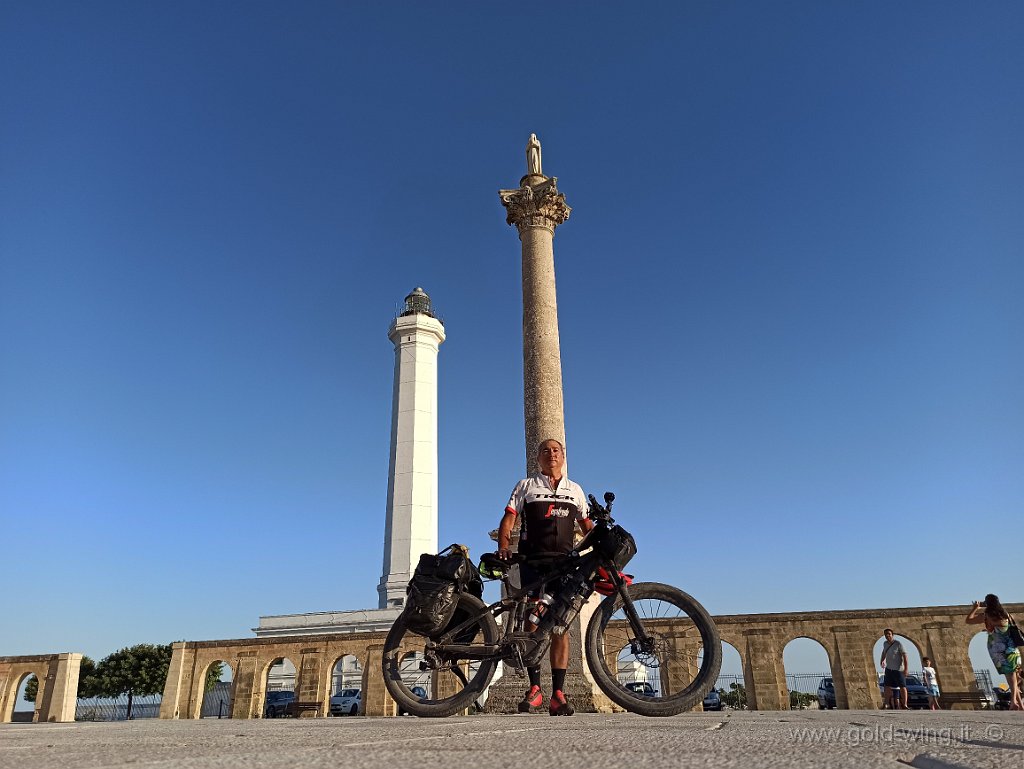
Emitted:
pixel 669 672
pixel 454 684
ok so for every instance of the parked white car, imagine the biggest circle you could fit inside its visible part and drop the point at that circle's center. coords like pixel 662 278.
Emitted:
pixel 347 702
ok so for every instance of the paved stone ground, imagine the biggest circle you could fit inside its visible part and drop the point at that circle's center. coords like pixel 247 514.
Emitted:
pixel 808 738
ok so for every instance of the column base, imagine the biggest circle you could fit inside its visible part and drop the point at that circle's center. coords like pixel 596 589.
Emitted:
pixel 507 692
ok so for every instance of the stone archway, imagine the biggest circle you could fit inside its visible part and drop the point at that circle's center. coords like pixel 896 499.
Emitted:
pixel 218 701
pixel 808 681
pixel 314 658
pixel 58 685
pixel 848 637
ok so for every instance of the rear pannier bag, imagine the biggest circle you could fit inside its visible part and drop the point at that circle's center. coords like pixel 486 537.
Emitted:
pixel 433 593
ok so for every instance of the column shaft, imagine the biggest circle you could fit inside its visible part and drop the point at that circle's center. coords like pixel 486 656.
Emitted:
pixel 542 366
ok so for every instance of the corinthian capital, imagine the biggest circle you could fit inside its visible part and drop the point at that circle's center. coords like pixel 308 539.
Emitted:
pixel 540 205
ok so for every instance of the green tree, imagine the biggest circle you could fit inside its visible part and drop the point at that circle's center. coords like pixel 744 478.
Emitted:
pixel 86 681
pixel 31 689
pixel 213 675
pixel 800 700
pixel 139 669
pixel 736 697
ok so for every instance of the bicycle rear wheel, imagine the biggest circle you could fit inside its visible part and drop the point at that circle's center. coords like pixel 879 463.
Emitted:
pixel 670 674
pixel 455 683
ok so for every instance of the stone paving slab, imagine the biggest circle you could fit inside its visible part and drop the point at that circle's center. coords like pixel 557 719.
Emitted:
pixel 920 739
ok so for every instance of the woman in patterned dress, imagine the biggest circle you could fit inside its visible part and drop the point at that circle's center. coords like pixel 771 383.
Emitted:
pixel 1005 655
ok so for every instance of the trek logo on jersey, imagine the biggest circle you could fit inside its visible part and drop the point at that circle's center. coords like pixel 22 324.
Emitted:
pixel 557 512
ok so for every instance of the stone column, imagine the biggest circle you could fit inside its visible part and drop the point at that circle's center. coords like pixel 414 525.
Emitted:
pixel 249 692
pixel 947 645
pixel 536 208
pixel 63 689
pixel 853 672
pixel 763 675
pixel 309 683
pixel 169 704
pixel 376 700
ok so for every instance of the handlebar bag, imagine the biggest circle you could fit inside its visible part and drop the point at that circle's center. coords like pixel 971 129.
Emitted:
pixel 619 546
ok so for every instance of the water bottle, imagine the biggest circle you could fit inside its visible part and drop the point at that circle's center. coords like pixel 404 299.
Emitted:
pixel 540 608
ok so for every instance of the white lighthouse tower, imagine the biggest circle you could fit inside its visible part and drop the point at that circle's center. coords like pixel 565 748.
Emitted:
pixel 411 525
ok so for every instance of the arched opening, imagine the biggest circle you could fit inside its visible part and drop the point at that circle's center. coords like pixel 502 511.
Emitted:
pixel 279 687
pixel 25 699
pixel 660 675
pixel 218 691
pixel 347 674
pixel 418 681
pixel 808 675
pixel 916 694
pixel 732 692
pixel 346 686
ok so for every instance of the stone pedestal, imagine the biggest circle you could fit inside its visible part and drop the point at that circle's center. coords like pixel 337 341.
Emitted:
pixel 505 693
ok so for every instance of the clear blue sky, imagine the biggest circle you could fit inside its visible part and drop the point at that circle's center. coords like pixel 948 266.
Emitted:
pixel 789 296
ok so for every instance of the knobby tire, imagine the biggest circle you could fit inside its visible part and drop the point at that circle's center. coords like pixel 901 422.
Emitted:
pixel 401 641
pixel 604 630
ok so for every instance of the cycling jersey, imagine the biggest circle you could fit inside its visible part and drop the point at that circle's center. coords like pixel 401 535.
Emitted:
pixel 548 516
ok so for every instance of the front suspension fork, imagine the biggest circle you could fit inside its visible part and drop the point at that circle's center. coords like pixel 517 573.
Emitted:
pixel 641 642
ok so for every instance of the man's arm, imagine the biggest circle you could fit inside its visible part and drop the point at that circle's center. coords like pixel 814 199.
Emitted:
pixel 505 534
pixel 906 665
pixel 977 615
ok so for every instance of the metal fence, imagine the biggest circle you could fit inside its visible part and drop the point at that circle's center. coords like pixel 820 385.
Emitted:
pixel 116 708
pixel 808 683
pixel 217 701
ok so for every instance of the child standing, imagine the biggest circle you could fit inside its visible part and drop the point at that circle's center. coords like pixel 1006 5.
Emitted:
pixel 931 683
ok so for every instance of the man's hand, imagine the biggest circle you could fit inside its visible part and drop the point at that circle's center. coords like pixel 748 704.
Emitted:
pixel 504 553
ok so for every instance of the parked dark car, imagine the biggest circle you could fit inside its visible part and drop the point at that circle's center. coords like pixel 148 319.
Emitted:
pixel 277 703
pixel 826 694
pixel 420 692
pixel 917 694
pixel 713 700
pixel 643 688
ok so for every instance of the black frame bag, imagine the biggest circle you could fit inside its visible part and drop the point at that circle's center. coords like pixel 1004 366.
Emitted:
pixel 433 592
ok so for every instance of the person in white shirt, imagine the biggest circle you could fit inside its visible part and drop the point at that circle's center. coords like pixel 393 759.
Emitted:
pixel 931 683
pixel 551 507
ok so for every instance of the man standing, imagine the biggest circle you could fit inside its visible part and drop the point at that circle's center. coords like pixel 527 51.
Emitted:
pixel 894 663
pixel 550 506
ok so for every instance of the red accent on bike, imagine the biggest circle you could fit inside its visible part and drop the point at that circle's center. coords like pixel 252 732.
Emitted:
pixel 604 585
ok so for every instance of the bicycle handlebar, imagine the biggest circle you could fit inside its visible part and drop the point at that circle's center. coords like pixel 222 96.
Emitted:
pixel 598 512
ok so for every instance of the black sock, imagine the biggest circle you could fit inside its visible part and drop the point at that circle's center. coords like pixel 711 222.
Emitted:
pixel 534 674
pixel 557 679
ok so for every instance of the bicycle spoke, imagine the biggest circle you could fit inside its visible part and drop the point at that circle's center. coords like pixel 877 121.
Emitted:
pixel 659 668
